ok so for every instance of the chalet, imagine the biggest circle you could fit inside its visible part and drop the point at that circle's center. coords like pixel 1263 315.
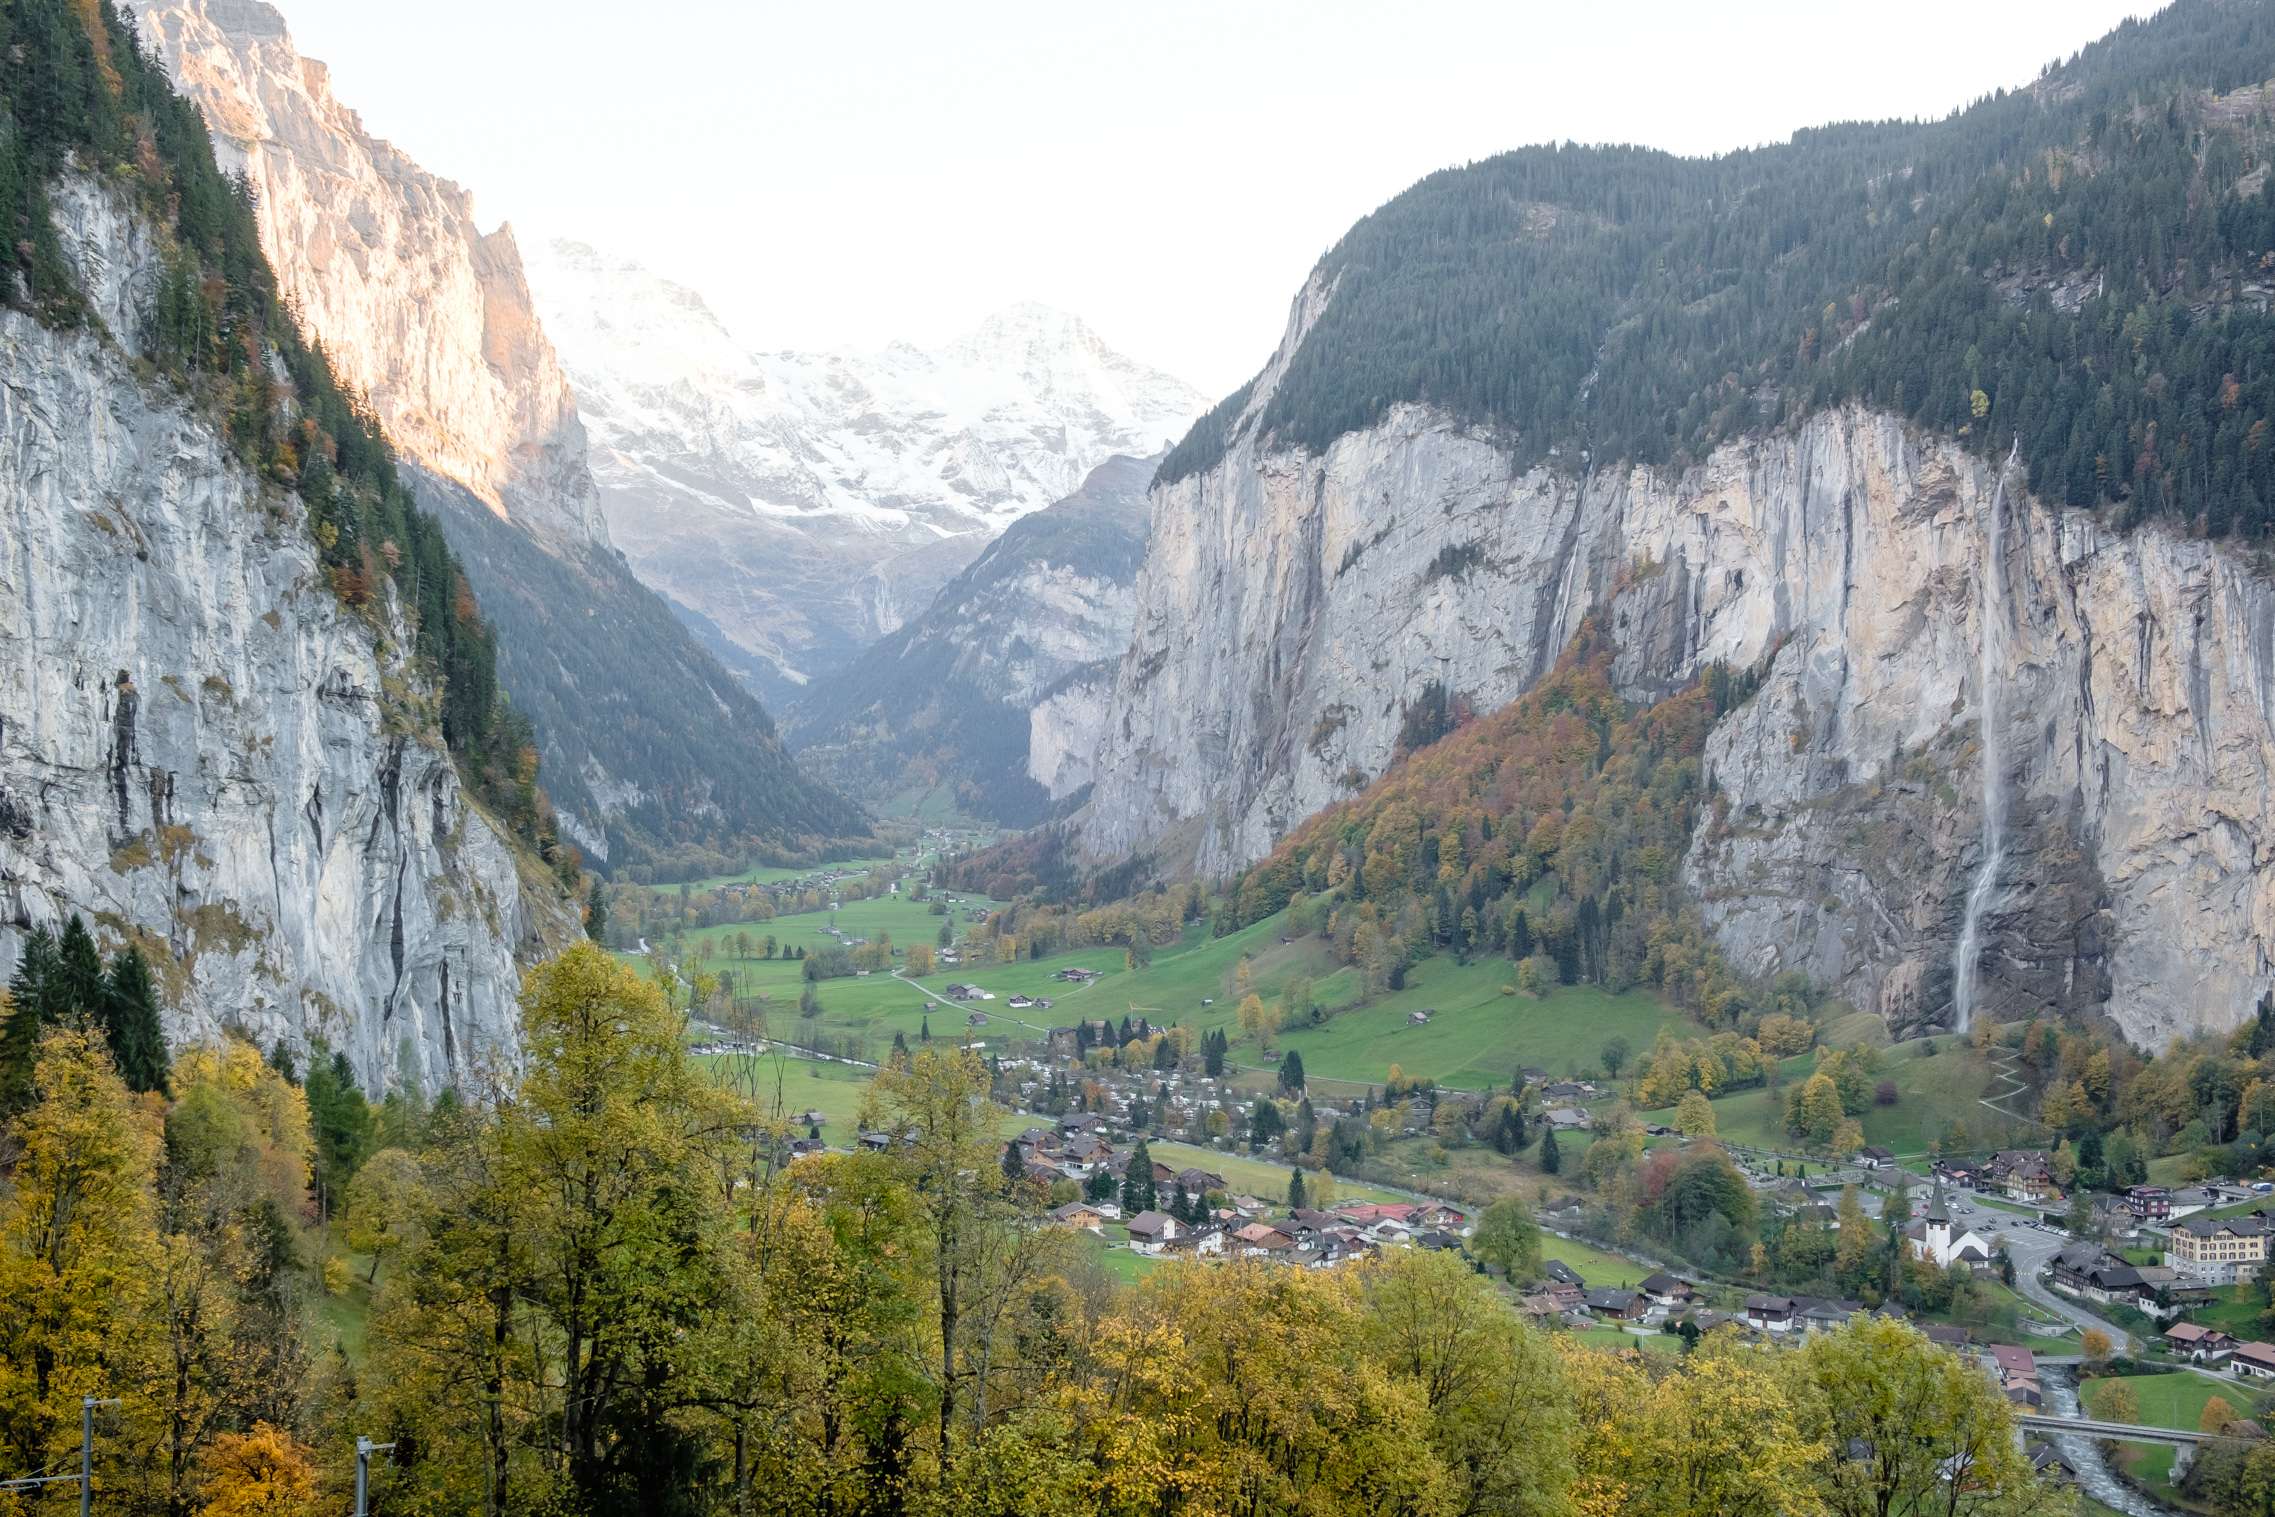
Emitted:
pixel 1668 1290
pixel 1567 1090
pixel 2048 1463
pixel 2025 1174
pixel 2218 1250
pixel 2203 1345
pixel 2165 1292
pixel 1436 1214
pixel 1772 1314
pixel 1873 1157
pixel 2017 1370
pixel 1619 1305
pixel 1263 1240
pixel 2253 1360
pixel 1436 1241
pixel 2149 1203
pixel 1195 1243
pixel 1563 1274
pixel 806 1148
pixel 1080 1121
pixel 1568 1298
pixel 2084 1269
pixel 809 1118
pixel 1817 1316
pixel 1150 1230
pixel 1199 1181
pixel 1418 1018
pixel 1568 1118
pixel 1078 1214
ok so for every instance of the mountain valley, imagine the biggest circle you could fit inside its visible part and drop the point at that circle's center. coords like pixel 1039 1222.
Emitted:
pixel 1634 880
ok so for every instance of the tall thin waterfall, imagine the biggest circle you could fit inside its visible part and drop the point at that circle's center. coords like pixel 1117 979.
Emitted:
pixel 1966 959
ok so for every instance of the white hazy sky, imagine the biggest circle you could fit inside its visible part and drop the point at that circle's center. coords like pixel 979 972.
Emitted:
pixel 841 174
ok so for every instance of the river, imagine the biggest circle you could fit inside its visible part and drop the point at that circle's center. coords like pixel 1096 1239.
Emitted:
pixel 2084 1454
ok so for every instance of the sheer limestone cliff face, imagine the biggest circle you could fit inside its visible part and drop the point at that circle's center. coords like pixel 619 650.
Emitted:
pixel 258 804
pixel 418 307
pixel 1291 606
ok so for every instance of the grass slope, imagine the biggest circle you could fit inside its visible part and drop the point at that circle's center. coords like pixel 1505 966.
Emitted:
pixel 1475 1037
pixel 1936 1094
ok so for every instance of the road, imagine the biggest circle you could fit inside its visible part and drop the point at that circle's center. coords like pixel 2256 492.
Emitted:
pixel 2032 1250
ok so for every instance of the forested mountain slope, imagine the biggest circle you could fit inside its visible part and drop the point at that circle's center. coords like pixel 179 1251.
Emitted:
pixel 1460 451
pixel 659 760
pixel 995 696
pixel 249 719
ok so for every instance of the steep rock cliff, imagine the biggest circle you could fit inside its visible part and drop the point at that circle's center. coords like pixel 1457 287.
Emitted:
pixel 421 310
pixel 995 695
pixel 1293 605
pixel 199 750
pixel 654 754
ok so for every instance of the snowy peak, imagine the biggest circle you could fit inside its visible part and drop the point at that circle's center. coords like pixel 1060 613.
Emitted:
pixel 805 504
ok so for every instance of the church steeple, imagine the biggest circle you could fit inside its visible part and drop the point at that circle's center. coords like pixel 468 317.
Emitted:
pixel 1936 1210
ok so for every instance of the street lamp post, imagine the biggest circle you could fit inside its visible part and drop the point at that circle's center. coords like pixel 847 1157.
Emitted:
pixel 364 1449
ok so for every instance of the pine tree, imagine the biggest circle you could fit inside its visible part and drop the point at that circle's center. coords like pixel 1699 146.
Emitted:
pixel 596 913
pixel 1551 1159
pixel 1297 1199
pixel 130 1018
pixel 27 1017
pixel 76 990
pixel 1014 1163
pixel 1137 1181
pixel 1291 1073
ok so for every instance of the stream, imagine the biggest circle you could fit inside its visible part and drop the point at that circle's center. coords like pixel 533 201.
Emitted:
pixel 2084 1454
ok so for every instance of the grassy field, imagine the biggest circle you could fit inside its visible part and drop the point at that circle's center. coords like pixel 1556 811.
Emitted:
pixel 788 1087
pixel 1615 1338
pixel 1598 1267
pixel 341 1320
pixel 2175 1400
pixel 1262 1178
pixel 1475 1035
pixel 1937 1094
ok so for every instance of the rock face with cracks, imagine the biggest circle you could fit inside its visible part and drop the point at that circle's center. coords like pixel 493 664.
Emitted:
pixel 1293 605
pixel 200 750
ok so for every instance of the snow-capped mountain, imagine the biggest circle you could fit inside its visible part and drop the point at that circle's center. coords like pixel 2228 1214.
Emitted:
pixel 431 318
pixel 801 505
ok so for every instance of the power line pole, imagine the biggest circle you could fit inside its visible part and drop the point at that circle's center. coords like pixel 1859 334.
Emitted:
pixel 85 1479
pixel 364 1449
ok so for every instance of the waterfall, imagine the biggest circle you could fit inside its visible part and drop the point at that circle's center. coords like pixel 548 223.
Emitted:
pixel 1991 593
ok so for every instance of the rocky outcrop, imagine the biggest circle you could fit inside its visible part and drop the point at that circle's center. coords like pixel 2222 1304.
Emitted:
pixel 200 751
pixel 652 751
pixel 1292 606
pixel 418 307
pixel 805 505
pixel 996 694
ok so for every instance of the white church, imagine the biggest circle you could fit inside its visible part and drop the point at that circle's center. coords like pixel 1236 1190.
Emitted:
pixel 1935 1240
